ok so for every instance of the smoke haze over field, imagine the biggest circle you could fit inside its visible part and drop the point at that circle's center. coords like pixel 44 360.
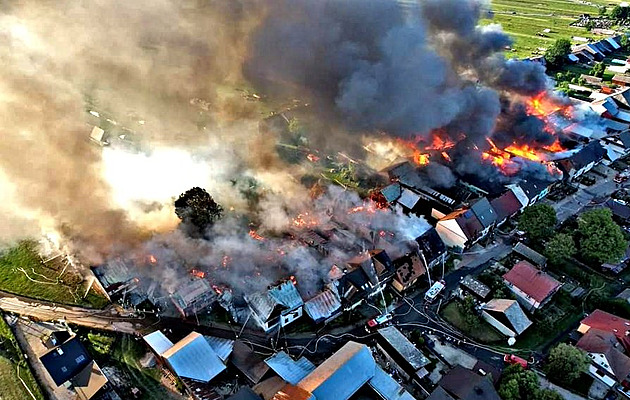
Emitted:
pixel 166 71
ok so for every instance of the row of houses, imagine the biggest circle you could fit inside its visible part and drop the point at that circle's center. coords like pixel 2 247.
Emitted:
pixel 200 360
pixel 588 53
pixel 352 283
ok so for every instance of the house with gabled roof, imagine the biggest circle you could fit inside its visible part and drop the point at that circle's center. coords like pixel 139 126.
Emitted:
pixel 506 206
pixel 533 288
pixel 432 249
pixel 276 307
pixel 324 307
pixel 506 316
pixel 193 358
pixel 581 162
pixel 609 364
pixel 460 228
pixel 463 384
pixel 485 214
pixel 409 269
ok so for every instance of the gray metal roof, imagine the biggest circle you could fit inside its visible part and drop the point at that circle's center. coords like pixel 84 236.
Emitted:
pixel 512 311
pixel 292 371
pixel 408 199
pixel 222 347
pixel 261 303
pixel 323 306
pixel 191 291
pixel 531 254
pixel 484 212
pixel 475 286
pixel 287 295
pixel 404 347
pixel 387 387
pixel 341 375
pixel 391 192
pixel 158 342
pixel 193 358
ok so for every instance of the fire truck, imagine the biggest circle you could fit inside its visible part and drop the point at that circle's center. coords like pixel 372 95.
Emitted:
pixel 434 291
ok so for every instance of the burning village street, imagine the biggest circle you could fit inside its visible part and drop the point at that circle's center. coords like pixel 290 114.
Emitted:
pixel 311 200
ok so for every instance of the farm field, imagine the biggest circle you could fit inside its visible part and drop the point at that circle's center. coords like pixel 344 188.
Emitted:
pixel 525 21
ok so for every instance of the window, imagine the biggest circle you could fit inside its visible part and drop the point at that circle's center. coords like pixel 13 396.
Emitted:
pixel 64 369
pixel 80 359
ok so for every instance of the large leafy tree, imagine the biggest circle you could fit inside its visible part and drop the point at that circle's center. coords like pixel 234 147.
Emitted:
pixel 560 248
pixel 600 238
pixel 566 363
pixel 619 13
pixel 518 384
pixel 557 52
pixel 538 221
pixel 198 208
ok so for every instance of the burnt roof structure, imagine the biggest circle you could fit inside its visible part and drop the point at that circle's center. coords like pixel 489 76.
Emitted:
pixel 431 246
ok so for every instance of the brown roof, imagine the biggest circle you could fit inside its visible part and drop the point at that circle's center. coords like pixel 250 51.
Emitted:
pixel 290 392
pixel 249 363
pixel 604 342
pixel 464 384
pixel 467 221
pixel 602 320
pixel 537 284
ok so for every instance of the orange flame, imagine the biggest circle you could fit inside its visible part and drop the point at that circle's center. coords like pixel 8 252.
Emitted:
pixel 446 156
pixel 555 147
pixel 304 220
pixel 198 274
pixel 254 235
pixel 312 157
pixel 420 158
pixel 523 151
pixel 152 259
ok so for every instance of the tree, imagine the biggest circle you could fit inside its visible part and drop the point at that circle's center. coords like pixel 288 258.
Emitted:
pixel 598 70
pixel 619 13
pixel 601 240
pixel 557 52
pixel 538 221
pixel 548 394
pixel 566 363
pixel 624 42
pixel 560 248
pixel 198 208
pixel 602 10
pixel 518 384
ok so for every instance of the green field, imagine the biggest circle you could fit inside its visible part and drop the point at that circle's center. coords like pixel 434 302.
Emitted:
pixel 483 333
pixel 22 272
pixel 12 363
pixel 524 20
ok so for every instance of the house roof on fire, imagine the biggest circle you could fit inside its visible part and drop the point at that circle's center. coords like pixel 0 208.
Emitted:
pixel 509 313
pixel 193 358
pixel 431 245
pixel 484 212
pixel 189 293
pixel 276 298
pixel 530 280
pixel 323 306
pixel 591 153
pixel 506 205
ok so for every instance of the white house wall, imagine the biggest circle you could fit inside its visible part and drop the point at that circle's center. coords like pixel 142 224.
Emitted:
pixel 498 325
pixel 451 234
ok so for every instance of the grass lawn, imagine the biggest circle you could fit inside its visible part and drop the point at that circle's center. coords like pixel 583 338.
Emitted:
pixel 22 272
pixel 524 20
pixel 483 333
pixel 11 359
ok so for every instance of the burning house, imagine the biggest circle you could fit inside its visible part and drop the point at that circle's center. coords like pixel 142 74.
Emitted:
pixel 193 297
pixel 582 161
pixel 277 307
pixel 409 269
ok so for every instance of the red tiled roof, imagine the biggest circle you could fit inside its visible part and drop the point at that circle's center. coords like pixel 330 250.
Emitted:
pixel 604 321
pixel 537 284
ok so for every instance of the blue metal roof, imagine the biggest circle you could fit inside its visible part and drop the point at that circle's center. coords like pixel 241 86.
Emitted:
pixel 193 358
pixel 391 192
pixel 322 306
pixel 341 375
pixel 387 387
pixel 290 370
pixel 222 347
pixel 158 342
pixel 287 295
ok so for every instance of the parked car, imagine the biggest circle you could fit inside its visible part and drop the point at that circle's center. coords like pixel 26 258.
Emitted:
pixel 380 320
pixel 512 359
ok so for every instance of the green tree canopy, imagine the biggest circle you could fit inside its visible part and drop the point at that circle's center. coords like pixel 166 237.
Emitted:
pixel 548 394
pixel 198 208
pixel 566 363
pixel 538 221
pixel 557 52
pixel 518 384
pixel 625 42
pixel 560 248
pixel 619 13
pixel 598 70
pixel 600 240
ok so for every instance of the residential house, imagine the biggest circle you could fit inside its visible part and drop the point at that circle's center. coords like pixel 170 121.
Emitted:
pixel 532 287
pixel 530 254
pixel 347 371
pixel 401 353
pixel 409 269
pixel 391 192
pixel 616 147
pixel 193 297
pixel 192 358
pixel 609 364
pixel 432 249
pixel 290 370
pixel 69 363
pixel 581 162
pixel 506 316
pixel 485 214
pixel 506 206
pixel 620 209
pixel 324 307
pixel 529 191
pixel 463 384
pixel 440 394
pixel 602 320
pixel 474 287
pixel 277 307
pixel 365 276
pixel 621 80
pixel 460 229
pixel 616 268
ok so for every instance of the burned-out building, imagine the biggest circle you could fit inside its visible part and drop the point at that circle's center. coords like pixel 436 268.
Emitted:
pixel 193 297
pixel 409 269
pixel 432 249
